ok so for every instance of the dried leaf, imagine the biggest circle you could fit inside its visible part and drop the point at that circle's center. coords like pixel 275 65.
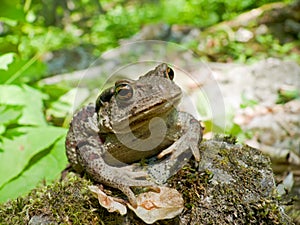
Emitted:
pixel 153 206
pixel 108 202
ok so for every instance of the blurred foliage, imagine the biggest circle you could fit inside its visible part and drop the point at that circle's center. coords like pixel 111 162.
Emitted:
pixel 32 115
pixel 32 28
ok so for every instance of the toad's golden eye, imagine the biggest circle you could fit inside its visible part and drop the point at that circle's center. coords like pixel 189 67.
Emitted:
pixel 169 73
pixel 123 91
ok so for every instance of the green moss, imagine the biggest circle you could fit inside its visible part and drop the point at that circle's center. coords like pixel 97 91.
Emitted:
pixel 64 202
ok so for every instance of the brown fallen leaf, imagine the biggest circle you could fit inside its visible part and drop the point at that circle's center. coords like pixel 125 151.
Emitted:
pixel 108 202
pixel 153 206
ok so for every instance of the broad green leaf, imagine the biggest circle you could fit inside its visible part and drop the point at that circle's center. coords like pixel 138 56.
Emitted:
pixel 30 98
pixel 47 168
pixel 2 130
pixel 33 112
pixel 5 60
pixel 17 153
pixel 12 9
pixel 24 68
pixel 9 114
pixel 12 95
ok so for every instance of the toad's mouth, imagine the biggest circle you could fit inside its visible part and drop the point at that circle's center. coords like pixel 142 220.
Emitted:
pixel 141 116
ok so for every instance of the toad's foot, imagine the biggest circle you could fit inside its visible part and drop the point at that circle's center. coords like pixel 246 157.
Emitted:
pixel 122 178
pixel 125 179
pixel 192 135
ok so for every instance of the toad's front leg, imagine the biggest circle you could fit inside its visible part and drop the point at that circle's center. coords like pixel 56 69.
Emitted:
pixel 85 151
pixel 181 150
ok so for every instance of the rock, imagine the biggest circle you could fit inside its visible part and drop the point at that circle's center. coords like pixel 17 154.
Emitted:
pixel 40 220
pixel 234 184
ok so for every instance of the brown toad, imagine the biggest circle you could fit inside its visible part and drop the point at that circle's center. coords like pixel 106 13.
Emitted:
pixel 133 120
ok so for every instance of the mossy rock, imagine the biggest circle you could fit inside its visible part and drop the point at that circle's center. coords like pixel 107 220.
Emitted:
pixel 233 184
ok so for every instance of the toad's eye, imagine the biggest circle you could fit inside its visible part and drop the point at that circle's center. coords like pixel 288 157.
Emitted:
pixel 123 91
pixel 169 73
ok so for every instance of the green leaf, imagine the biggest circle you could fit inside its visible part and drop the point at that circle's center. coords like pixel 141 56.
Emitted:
pixel 28 97
pixel 12 9
pixel 46 168
pixel 23 69
pixel 17 153
pixel 33 112
pixel 2 130
pixel 235 129
pixel 9 114
pixel 5 60
pixel 12 95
